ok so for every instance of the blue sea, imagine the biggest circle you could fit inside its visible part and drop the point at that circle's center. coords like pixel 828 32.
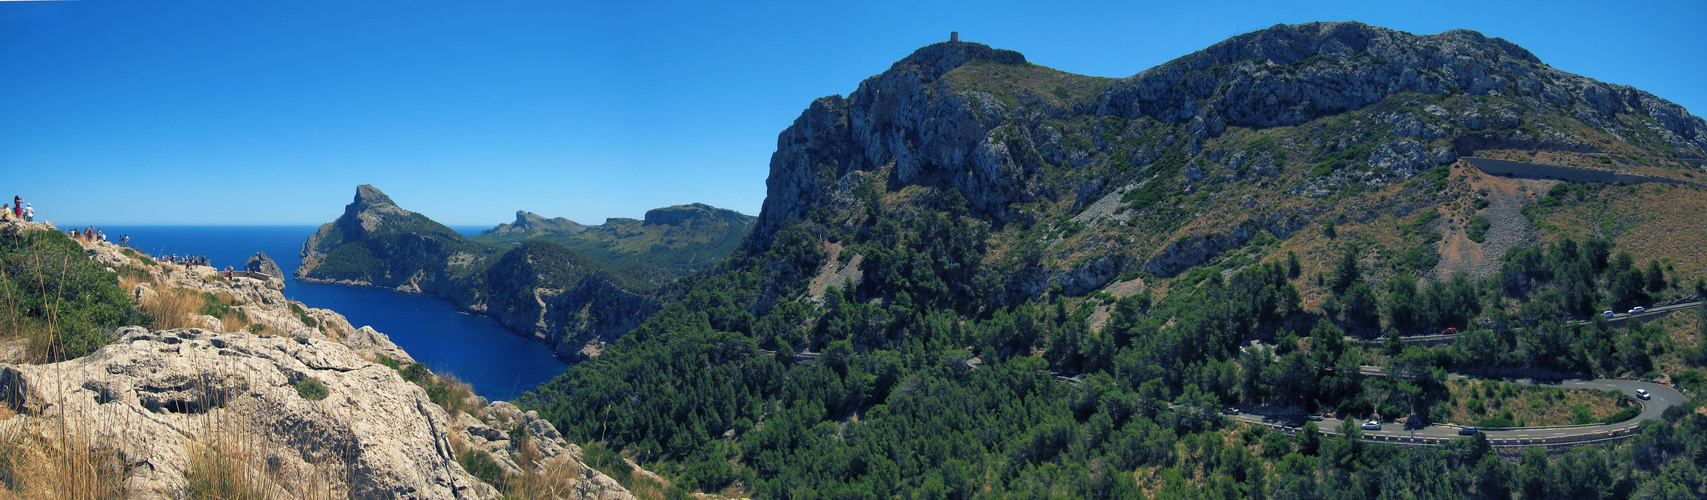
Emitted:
pixel 499 364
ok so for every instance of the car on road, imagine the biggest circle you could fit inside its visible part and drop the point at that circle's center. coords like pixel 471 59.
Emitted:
pixel 1643 393
pixel 1230 410
pixel 1467 431
pixel 1638 310
pixel 1372 425
pixel 1314 417
pixel 1449 331
pixel 1608 314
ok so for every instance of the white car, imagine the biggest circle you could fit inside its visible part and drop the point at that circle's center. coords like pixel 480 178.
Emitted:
pixel 1372 425
pixel 1643 393
pixel 1638 310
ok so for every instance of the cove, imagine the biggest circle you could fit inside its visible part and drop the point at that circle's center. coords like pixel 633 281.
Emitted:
pixel 499 364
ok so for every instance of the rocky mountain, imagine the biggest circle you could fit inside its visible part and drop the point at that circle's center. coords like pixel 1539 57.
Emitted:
pixel 671 242
pixel 530 223
pixel 567 301
pixel 1265 133
pixel 573 287
pixel 976 273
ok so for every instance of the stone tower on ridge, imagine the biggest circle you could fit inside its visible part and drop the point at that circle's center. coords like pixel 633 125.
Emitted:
pixel 953 36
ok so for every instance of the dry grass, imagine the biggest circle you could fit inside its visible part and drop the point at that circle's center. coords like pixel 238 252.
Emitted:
pixel 221 470
pixel 60 463
pixel 171 308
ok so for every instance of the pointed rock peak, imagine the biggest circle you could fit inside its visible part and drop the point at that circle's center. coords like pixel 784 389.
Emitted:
pixel 367 196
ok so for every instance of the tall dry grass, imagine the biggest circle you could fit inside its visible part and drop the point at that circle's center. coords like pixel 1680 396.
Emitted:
pixel 60 462
pixel 171 307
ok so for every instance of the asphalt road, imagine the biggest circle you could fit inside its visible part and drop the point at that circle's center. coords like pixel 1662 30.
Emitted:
pixel 1663 397
pixel 1617 319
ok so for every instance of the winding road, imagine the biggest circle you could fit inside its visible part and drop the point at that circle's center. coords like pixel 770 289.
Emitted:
pixel 1663 397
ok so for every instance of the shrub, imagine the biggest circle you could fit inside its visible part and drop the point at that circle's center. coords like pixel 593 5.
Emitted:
pixel 310 389
pixel 52 294
pixel 1478 229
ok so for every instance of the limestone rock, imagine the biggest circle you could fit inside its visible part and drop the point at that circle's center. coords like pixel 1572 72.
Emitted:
pixel 157 396
pixel 542 448
pixel 260 263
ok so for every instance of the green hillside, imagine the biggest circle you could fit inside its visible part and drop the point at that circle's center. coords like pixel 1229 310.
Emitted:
pixel 656 250
pixel 1016 282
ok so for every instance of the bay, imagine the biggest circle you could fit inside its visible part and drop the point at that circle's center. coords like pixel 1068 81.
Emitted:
pixel 499 364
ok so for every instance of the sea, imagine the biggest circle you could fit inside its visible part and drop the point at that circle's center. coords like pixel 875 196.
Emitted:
pixel 499 364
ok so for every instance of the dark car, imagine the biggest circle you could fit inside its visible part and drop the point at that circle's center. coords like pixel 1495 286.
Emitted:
pixel 1468 431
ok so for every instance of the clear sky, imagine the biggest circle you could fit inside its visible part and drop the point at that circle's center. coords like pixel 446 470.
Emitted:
pixel 271 112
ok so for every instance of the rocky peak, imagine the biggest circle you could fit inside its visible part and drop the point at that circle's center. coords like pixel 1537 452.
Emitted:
pixel 932 61
pixel 369 196
pixel 371 207
pixel 528 222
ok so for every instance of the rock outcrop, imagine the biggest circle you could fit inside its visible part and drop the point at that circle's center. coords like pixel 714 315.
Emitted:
pixel 160 398
pixel 529 223
pixel 261 263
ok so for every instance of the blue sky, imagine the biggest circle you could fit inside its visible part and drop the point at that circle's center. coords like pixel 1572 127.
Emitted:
pixel 251 112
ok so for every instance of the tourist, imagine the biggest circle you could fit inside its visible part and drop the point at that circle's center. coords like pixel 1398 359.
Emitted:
pixel 18 206
pixel 5 213
pixel 29 212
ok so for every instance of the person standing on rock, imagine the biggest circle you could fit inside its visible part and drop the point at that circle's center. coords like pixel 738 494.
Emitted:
pixel 18 206
pixel 29 212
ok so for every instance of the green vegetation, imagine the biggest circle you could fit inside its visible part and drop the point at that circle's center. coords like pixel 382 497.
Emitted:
pixel 56 297
pixel 310 389
pixel 1477 230
pixel 655 253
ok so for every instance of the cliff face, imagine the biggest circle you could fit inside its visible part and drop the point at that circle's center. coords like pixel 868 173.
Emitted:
pixel 541 290
pixel 1184 162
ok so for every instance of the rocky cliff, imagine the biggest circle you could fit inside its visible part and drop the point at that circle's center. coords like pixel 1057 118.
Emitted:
pixel 531 223
pixel 541 290
pixel 1183 163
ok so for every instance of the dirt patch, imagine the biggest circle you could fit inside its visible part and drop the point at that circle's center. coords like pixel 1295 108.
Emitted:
pixel 1099 318
pixel 1508 227
pixel 834 272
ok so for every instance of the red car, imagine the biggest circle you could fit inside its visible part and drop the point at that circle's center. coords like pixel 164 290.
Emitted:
pixel 1449 331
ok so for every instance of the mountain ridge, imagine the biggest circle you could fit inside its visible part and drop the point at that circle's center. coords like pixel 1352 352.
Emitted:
pixel 1018 281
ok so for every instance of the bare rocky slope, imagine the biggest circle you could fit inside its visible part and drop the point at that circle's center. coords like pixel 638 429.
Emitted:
pixel 305 409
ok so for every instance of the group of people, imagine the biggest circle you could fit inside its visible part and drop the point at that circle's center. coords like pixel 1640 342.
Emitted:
pixel 188 260
pixel 89 234
pixel 18 210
